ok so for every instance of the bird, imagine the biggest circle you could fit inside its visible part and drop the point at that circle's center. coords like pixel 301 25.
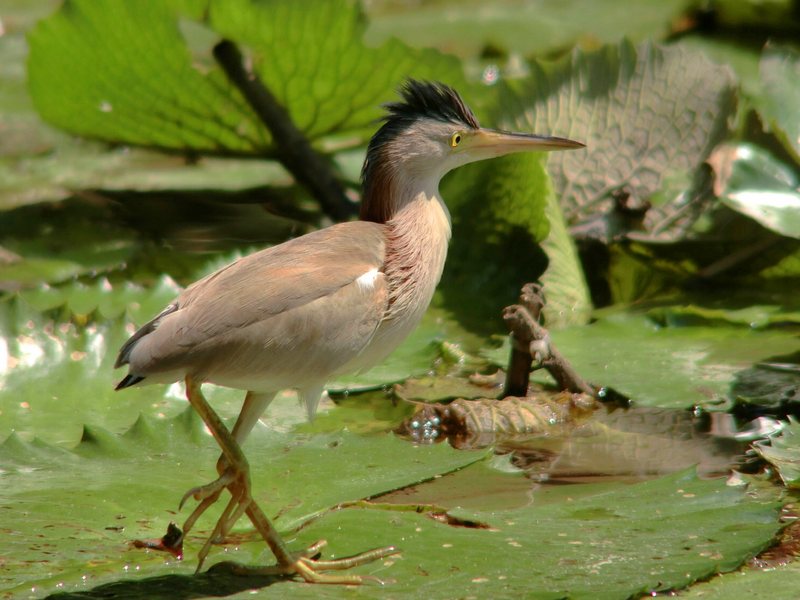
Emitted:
pixel 334 301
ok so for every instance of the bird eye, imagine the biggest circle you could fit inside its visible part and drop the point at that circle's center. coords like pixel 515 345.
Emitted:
pixel 455 140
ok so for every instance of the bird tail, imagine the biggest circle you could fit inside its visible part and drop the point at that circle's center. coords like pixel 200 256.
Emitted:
pixel 128 381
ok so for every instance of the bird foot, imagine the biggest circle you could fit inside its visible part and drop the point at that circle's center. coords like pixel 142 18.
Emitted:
pixel 209 490
pixel 238 483
pixel 308 565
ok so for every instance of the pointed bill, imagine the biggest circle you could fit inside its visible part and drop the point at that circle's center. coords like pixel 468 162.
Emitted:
pixel 492 142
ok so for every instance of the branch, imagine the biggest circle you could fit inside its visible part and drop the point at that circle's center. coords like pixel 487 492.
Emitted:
pixel 295 151
pixel 531 344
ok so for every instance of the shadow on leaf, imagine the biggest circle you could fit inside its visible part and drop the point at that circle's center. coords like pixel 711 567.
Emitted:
pixel 214 582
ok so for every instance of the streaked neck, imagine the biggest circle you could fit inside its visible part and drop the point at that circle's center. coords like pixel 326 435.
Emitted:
pixel 417 238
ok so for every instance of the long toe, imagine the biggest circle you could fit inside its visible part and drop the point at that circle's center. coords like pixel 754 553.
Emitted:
pixel 307 565
pixel 212 489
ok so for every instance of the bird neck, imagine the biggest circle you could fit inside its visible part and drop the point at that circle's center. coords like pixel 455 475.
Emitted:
pixel 417 236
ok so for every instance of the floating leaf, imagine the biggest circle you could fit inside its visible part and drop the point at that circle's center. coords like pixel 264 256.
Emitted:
pixel 676 367
pixel 783 451
pixel 632 540
pixel 124 487
pixel 753 584
pixel 756 316
pixel 750 181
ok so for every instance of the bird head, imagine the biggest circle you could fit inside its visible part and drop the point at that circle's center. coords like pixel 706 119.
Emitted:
pixel 429 133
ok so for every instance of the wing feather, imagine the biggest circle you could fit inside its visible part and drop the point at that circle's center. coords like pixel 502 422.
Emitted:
pixel 268 298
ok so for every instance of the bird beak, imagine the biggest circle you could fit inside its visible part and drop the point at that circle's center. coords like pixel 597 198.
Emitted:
pixel 491 142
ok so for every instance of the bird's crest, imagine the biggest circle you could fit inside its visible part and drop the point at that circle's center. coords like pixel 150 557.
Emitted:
pixel 420 100
pixel 433 100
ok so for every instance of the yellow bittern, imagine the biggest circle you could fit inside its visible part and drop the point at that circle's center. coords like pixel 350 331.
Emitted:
pixel 334 301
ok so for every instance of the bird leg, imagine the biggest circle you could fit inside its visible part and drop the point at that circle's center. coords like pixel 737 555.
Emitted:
pixel 253 407
pixel 304 563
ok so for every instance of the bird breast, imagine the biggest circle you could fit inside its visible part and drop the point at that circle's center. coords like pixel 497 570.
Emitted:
pixel 416 249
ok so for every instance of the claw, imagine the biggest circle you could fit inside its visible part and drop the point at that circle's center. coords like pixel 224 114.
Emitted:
pixel 208 495
pixel 203 492
pixel 312 570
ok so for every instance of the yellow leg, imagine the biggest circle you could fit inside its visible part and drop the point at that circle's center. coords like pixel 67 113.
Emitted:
pixel 304 563
pixel 253 407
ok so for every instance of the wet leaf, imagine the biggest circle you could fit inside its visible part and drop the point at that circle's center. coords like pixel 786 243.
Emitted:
pixel 448 387
pixel 754 316
pixel 615 543
pixel 772 385
pixel 676 367
pixel 649 116
pixel 148 90
pixel 751 181
pixel 783 451
pixel 124 487
pixel 781 582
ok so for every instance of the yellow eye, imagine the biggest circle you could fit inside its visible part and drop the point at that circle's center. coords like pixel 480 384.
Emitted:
pixel 455 140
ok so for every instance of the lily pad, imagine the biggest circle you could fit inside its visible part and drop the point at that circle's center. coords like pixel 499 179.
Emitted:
pixel 658 535
pixel 122 488
pixel 783 451
pixel 668 367
pixel 751 181
pixel 781 582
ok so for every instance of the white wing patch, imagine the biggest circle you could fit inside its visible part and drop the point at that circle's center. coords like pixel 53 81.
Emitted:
pixel 366 282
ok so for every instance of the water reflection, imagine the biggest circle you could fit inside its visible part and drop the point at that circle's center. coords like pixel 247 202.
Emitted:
pixel 602 442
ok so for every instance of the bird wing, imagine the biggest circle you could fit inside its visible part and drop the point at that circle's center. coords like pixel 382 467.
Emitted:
pixel 279 299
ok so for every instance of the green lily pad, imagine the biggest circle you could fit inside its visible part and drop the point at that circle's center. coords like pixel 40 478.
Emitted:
pixel 779 583
pixel 783 451
pixel 755 317
pixel 618 543
pixel 669 367
pixel 752 182
pixel 122 488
